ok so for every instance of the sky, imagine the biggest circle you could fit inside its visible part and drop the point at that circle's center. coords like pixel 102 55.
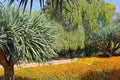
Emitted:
pixel 36 5
pixel 116 3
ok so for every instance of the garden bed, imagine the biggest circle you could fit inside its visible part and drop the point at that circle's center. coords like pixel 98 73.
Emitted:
pixel 81 69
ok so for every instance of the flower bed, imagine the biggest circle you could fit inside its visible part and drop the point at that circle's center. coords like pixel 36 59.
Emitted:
pixel 82 69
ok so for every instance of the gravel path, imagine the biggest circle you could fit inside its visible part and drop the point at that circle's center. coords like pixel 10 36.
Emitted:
pixel 54 62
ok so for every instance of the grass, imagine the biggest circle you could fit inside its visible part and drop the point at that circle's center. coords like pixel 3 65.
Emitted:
pixel 83 69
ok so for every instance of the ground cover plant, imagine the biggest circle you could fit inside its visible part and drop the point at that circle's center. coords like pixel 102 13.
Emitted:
pixel 83 69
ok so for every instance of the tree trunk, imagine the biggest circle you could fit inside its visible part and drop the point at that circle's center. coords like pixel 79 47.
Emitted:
pixel 8 67
pixel 9 73
pixel 109 53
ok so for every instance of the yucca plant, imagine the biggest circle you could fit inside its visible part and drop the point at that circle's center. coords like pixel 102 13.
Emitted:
pixel 23 37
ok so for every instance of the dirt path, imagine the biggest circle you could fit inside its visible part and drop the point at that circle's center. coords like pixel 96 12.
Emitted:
pixel 54 62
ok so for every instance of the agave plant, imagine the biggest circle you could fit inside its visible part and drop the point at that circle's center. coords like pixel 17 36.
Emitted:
pixel 23 36
pixel 107 39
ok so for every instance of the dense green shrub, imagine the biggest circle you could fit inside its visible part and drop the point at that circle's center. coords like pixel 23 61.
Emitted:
pixel 69 41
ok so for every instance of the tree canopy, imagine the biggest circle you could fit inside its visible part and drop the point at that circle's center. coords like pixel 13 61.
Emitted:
pixel 25 36
pixel 89 14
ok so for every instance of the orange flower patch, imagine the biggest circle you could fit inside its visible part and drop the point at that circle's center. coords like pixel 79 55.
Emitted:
pixel 83 69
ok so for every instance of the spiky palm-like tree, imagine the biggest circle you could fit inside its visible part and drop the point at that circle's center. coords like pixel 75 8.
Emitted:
pixel 55 3
pixel 23 36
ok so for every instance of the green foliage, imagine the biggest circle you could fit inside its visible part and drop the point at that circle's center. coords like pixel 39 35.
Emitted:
pixel 90 14
pixel 66 40
pixel 26 36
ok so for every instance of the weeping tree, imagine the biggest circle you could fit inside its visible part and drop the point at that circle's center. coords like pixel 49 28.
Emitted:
pixel 24 37
pixel 91 14
pixel 107 39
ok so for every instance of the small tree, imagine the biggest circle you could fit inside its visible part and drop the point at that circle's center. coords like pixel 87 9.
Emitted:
pixel 23 37
pixel 107 39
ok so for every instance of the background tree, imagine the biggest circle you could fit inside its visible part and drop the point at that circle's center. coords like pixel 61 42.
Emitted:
pixel 24 37
pixel 86 14
pixel 90 14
